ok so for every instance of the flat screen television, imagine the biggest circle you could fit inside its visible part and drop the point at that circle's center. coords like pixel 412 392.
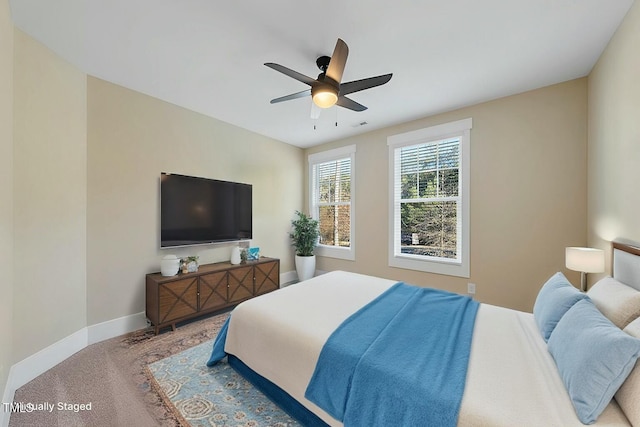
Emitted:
pixel 197 211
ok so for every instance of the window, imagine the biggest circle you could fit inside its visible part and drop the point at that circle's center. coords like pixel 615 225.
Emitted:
pixel 331 189
pixel 429 199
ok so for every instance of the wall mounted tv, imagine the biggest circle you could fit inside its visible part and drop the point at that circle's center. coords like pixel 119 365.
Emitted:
pixel 196 211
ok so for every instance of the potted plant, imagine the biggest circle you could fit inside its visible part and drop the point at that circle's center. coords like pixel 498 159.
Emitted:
pixel 304 238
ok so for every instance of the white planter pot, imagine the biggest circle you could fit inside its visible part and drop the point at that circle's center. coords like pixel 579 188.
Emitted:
pixel 305 267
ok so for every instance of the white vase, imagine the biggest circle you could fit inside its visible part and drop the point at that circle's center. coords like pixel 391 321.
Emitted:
pixel 235 255
pixel 305 267
pixel 169 265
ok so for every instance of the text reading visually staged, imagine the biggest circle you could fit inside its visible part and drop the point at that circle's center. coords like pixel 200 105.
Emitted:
pixel 45 406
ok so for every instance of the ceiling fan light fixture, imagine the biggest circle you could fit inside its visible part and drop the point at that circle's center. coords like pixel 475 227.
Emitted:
pixel 324 97
pixel 328 89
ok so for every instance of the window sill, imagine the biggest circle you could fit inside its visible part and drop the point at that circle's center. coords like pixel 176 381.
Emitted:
pixel 436 267
pixel 335 252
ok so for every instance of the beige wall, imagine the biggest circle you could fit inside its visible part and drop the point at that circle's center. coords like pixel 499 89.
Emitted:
pixel 50 197
pixel 132 138
pixel 528 194
pixel 614 139
pixel 6 192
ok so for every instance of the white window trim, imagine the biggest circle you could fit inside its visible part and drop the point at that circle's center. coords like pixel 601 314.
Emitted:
pixel 462 129
pixel 326 156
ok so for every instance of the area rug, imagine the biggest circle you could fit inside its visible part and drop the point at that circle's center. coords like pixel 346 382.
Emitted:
pixel 217 396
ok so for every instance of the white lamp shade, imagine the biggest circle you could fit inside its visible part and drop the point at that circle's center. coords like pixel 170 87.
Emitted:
pixel 587 260
pixel 324 96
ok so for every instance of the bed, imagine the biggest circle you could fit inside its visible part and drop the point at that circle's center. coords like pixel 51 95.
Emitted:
pixel 513 375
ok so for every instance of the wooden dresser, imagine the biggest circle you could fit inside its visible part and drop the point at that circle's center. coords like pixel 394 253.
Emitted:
pixel 213 287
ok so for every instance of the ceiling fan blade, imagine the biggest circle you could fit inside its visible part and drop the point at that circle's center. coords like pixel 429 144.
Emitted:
pixel 315 111
pixel 358 85
pixel 306 92
pixel 345 102
pixel 293 74
pixel 338 61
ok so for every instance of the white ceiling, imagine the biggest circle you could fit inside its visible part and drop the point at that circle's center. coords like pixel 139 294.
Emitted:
pixel 208 55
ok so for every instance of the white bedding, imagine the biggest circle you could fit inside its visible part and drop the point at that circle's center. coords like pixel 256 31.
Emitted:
pixel 512 379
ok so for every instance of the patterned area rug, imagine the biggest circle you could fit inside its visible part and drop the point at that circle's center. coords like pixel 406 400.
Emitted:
pixel 143 347
pixel 216 396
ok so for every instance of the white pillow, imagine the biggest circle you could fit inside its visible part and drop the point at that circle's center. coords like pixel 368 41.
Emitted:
pixel 628 395
pixel 618 302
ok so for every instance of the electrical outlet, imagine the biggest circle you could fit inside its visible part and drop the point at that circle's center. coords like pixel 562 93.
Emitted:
pixel 471 288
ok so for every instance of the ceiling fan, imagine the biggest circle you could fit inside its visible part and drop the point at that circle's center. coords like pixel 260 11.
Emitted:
pixel 328 88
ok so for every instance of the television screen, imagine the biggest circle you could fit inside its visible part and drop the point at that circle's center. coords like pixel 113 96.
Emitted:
pixel 196 211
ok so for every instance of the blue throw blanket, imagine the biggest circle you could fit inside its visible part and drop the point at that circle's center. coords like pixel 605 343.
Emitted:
pixel 400 360
pixel 218 353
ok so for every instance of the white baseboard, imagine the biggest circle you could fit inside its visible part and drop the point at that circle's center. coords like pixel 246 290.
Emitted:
pixel 288 277
pixel 7 397
pixel 292 276
pixel 116 327
pixel 40 362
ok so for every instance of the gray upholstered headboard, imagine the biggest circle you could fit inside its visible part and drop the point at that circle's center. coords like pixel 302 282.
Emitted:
pixel 626 264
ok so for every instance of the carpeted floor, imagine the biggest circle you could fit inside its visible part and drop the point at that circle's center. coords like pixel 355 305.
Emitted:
pixel 111 377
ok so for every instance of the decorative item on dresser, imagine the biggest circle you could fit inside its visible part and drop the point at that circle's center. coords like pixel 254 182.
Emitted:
pixel 170 265
pixel 213 287
pixel 235 255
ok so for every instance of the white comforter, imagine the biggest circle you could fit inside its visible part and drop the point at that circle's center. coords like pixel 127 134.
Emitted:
pixel 512 379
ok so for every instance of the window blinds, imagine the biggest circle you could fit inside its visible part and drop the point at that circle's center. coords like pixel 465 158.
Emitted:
pixel 333 201
pixel 428 199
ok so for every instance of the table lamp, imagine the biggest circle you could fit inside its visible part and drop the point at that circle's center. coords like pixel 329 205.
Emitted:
pixel 584 260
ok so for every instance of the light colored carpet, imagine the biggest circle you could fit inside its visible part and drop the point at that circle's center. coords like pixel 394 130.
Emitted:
pixel 111 376
pixel 216 396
